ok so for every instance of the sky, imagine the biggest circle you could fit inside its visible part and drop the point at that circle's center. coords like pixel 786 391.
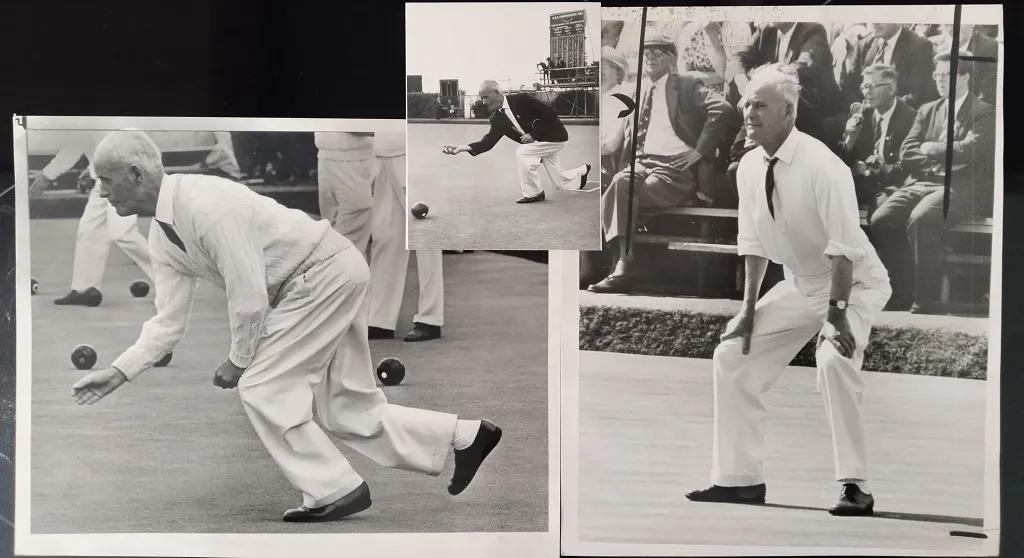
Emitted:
pixel 476 42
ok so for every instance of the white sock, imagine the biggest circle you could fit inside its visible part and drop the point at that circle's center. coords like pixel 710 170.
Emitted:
pixel 465 433
pixel 862 485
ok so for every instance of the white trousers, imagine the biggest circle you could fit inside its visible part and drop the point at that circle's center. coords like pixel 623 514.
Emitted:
pixel 346 197
pixel 389 260
pixel 315 351
pixel 531 157
pixel 99 226
pixel 785 318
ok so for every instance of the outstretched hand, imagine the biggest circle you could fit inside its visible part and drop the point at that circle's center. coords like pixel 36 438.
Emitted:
pixel 97 385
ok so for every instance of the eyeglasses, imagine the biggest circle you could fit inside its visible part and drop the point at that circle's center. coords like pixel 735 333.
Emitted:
pixel 864 88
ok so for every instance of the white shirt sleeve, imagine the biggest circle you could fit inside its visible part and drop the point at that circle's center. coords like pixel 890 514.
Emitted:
pixel 233 243
pixel 72 147
pixel 747 241
pixel 839 212
pixel 161 333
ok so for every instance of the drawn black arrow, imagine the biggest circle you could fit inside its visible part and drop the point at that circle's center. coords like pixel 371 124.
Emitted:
pixel 628 101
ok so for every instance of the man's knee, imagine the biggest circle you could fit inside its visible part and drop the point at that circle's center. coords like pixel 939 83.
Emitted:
pixel 727 352
pixel 831 365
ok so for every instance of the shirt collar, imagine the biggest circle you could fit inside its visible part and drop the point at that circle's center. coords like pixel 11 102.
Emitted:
pixel 662 81
pixel 891 43
pixel 960 103
pixel 883 116
pixel 504 104
pixel 165 201
pixel 788 148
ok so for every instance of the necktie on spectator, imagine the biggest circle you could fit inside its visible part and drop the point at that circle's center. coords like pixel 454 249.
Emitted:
pixel 173 236
pixel 880 55
pixel 879 140
pixel 645 119
pixel 769 184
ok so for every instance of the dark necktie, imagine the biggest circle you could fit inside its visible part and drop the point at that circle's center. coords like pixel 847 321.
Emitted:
pixel 645 119
pixel 769 184
pixel 880 55
pixel 173 236
pixel 879 140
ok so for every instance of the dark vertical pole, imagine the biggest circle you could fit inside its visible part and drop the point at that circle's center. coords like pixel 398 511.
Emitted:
pixel 636 124
pixel 951 101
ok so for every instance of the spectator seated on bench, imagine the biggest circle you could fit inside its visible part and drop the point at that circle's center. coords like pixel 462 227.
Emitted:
pixel 683 129
pixel 907 229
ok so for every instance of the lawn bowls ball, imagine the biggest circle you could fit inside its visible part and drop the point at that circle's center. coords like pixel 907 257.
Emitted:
pixel 35 286
pixel 140 289
pixel 391 371
pixel 420 210
pixel 83 357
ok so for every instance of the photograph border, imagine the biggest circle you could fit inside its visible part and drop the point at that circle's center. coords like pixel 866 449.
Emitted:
pixel 571 545
pixel 497 544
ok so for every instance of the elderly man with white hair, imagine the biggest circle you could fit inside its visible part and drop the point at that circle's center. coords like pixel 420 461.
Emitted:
pixel 541 135
pixel 296 290
pixel 797 207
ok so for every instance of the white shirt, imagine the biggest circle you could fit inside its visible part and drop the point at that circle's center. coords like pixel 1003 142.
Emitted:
pixel 508 112
pixel 883 129
pixel 389 143
pixel 784 40
pixel 612 127
pixel 247 244
pixel 661 136
pixel 73 145
pixel 344 146
pixel 815 208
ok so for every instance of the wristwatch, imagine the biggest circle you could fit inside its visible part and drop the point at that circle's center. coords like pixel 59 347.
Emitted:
pixel 840 304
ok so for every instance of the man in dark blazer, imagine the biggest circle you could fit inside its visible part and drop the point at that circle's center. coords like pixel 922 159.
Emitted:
pixel 683 138
pixel 873 135
pixel 541 135
pixel 804 45
pixel 909 54
pixel 984 73
pixel 907 228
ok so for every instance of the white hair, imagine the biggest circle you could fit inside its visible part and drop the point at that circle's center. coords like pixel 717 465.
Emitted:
pixel 130 147
pixel 490 85
pixel 782 77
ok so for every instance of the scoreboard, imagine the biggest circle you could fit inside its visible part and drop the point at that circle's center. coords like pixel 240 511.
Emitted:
pixel 568 38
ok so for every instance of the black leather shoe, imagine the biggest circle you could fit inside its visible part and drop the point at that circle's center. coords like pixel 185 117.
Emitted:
pixel 537 198
pixel 91 297
pixel 380 333
pixel 354 502
pixel 423 332
pixel 853 502
pixel 468 461
pixel 754 494
pixel 583 179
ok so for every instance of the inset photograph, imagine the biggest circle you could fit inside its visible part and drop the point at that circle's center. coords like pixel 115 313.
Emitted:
pixel 503 104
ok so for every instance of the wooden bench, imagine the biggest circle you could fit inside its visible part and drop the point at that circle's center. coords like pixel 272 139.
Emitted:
pixel 701 244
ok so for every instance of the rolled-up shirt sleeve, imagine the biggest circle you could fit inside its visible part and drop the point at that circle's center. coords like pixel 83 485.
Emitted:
pixel 175 293
pixel 747 241
pixel 233 242
pixel 839 212
pixel 72 147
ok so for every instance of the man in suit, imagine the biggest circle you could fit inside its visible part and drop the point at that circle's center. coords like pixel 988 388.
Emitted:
pixel 296 292
pixel 909 54
pixel 541 135
pixel 801 44
pixel 985 73
pixel 684 131
pixel 98 227
pixel 874 134
pixel 908 227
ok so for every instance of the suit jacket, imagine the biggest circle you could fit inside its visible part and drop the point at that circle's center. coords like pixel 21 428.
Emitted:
pixel 912 58
pixel 983 74
pixel 973 150
pixel 808 49
pixel 900 123
pixel 700 116
pixel 537 119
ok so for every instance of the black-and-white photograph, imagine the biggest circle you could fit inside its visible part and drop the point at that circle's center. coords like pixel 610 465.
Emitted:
pixel 784 345
pixel 224 334
pixel 503 126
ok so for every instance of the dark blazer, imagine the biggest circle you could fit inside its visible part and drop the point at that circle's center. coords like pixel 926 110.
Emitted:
pixel 912 58
pixel 973 150
pixel 809 50
pixel 536 118
pixel 900 123
pixel 700 116
pixel 983 74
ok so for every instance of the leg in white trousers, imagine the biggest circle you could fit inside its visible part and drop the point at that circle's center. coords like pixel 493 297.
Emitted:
pixel 784 320
pixel 531 157
pixel 99 226
pixel 346 198
pixel 389 260
pixel 315 349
